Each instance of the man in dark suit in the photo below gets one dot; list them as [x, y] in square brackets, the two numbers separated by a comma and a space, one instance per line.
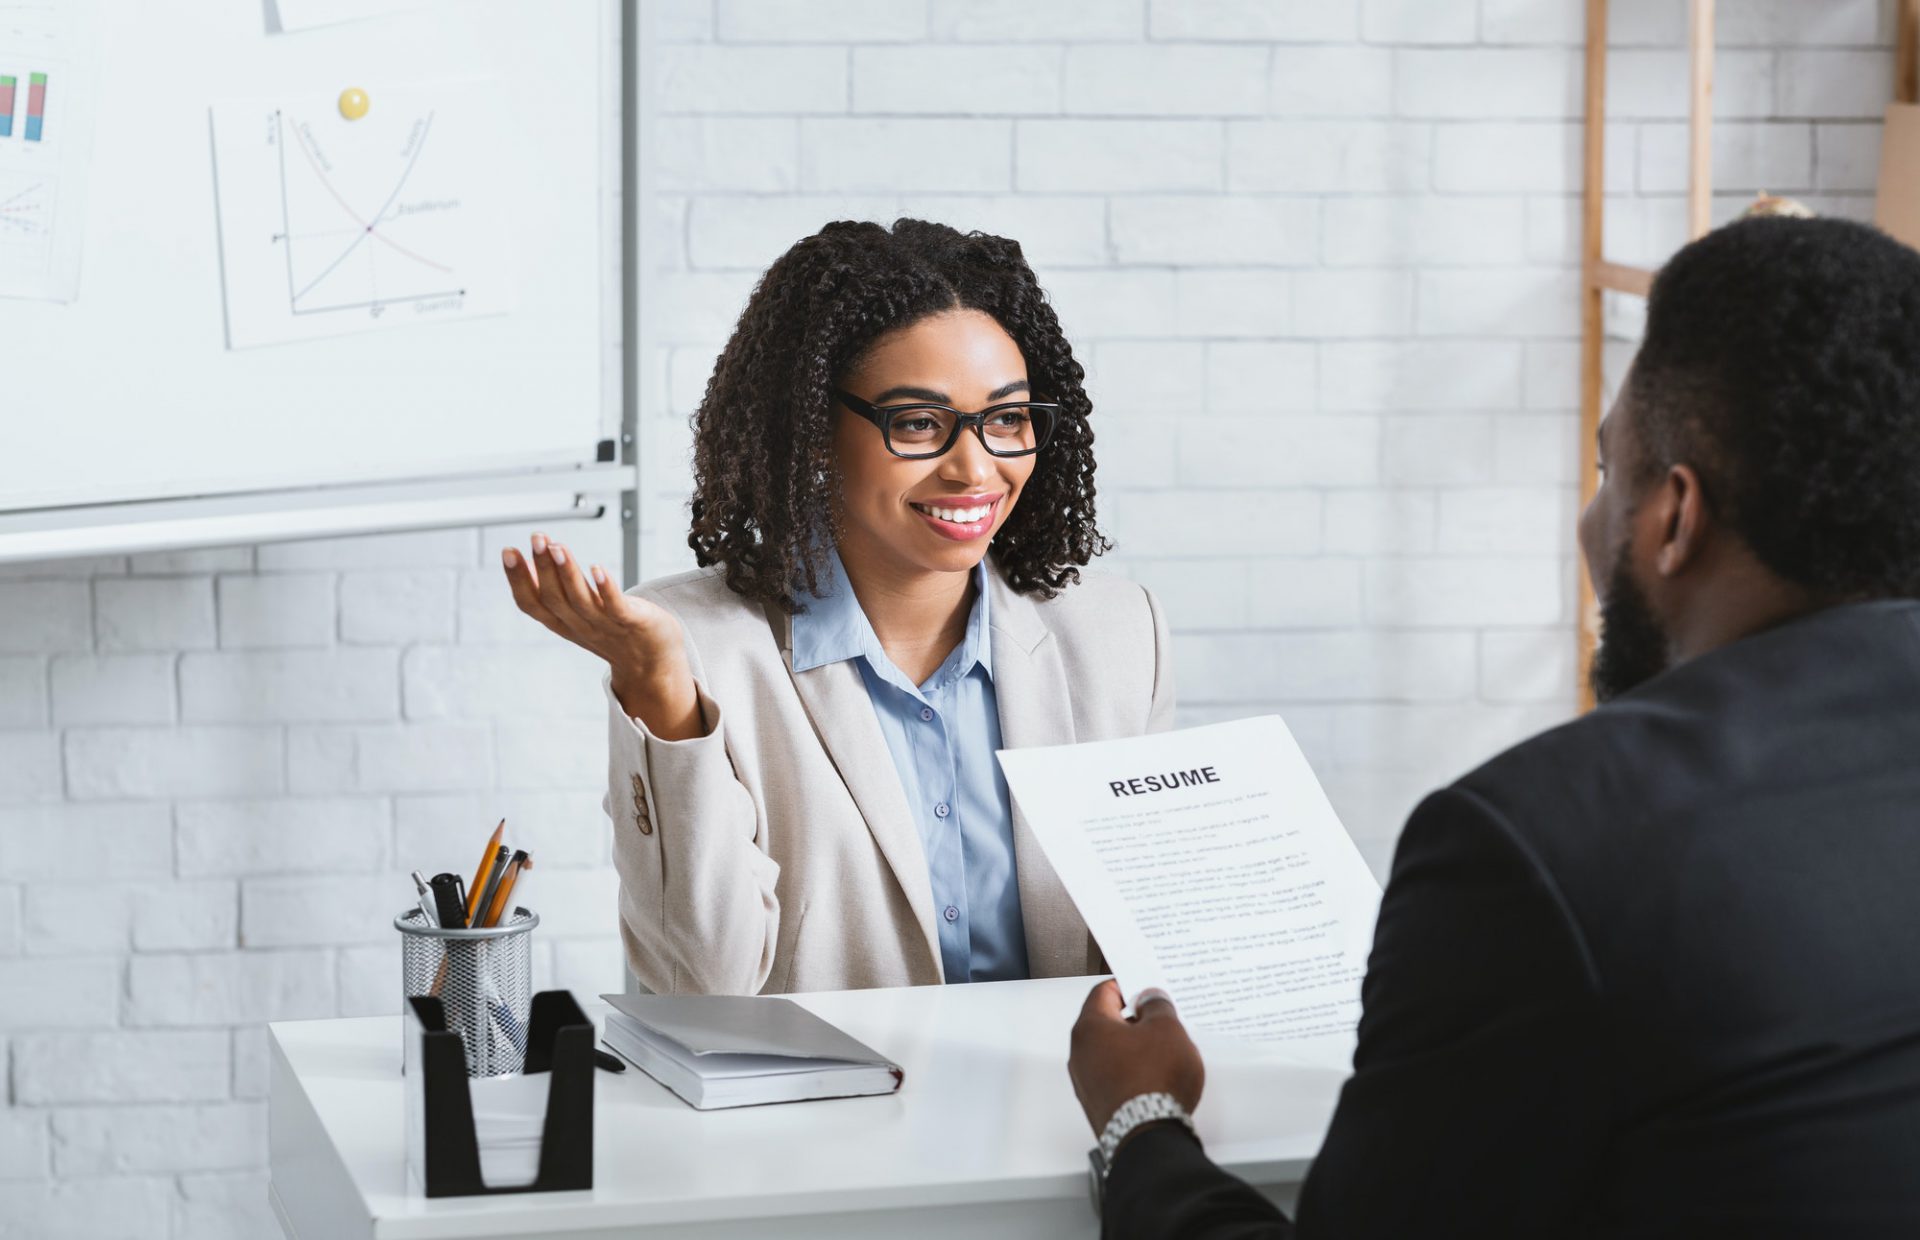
[1655, 972]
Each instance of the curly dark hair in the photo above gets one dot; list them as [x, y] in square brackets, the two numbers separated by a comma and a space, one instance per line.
[763, 434]
[1782, 361]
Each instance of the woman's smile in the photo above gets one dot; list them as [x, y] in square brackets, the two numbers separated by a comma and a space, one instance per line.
[960, 517]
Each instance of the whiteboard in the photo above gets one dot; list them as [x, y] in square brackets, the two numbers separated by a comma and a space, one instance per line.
[130, 391]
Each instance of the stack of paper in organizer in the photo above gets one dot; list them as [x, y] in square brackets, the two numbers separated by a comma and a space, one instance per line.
[742, 1050]
[509, 1113]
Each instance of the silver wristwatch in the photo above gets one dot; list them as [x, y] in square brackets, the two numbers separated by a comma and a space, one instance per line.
[1135, 1111]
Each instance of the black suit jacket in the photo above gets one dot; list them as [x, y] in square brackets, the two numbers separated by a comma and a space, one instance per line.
[1655, 973]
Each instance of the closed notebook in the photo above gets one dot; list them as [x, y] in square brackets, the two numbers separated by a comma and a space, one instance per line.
[742, 1050]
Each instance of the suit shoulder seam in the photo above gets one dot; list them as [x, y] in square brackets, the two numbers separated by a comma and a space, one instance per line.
[1537, 865]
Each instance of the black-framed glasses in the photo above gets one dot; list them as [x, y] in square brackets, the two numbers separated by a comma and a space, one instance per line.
[921, 430]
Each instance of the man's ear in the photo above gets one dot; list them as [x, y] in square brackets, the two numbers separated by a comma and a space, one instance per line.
[1680, 509]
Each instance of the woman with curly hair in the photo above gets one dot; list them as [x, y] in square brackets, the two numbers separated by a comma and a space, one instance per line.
[893, 498]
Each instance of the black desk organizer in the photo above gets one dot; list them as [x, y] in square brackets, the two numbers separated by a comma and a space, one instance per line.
[560, 1041]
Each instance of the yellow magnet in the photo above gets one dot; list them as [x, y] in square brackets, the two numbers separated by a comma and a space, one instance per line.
[353, 103]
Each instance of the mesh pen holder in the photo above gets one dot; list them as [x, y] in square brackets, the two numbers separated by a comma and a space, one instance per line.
[483, 979]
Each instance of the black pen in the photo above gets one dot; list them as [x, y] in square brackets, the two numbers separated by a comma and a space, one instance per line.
[446, 898]
[485, 901]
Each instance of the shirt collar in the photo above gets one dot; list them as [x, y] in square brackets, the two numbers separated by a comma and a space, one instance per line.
[833, 627]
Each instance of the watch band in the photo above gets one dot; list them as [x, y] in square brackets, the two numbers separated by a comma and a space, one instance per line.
[1135, 1111]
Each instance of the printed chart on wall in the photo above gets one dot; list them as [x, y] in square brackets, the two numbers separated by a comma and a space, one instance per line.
[331, 225]
[46, 131]
[295, 15]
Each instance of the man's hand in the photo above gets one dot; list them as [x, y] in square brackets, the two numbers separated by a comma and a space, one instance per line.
[1114, 1059]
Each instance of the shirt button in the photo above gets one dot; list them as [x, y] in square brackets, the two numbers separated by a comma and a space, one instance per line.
[952, 913]
[940, 810]
[926, 712]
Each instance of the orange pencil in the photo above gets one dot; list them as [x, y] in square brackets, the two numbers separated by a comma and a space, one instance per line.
[480, 875]
[499, 906]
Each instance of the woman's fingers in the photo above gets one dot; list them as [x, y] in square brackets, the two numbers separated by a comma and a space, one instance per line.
[551, 565]
[523, 581]
[571, 581]
[585, 605]
[606, 595]
[541, 593]
[620, 607]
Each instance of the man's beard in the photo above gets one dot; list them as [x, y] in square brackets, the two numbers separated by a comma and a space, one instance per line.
[1633, 649]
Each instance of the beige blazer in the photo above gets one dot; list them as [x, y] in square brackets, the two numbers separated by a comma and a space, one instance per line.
[778, 852]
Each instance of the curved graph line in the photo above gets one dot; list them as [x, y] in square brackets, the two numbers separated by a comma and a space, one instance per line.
[367, 228]
[355, 217]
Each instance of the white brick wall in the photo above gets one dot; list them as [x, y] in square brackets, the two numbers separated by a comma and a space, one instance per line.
[215, 769]
[1318, 258]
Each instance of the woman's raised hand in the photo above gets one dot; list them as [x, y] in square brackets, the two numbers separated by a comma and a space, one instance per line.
[640, 640]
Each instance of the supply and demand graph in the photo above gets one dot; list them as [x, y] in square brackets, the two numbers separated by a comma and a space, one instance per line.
[330, 225]
[308, 289]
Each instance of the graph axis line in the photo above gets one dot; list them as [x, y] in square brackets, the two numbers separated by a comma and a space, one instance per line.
[286, 223]
[377, 219]
[382, 301]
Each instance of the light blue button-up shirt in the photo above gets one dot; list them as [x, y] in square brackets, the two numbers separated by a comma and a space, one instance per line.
[942, 734]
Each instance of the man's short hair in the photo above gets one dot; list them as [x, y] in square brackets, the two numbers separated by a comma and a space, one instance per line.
[1782, 362]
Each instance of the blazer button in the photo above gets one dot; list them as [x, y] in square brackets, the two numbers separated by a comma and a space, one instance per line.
[640, 807]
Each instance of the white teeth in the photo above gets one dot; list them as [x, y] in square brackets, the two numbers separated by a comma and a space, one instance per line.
[959, 516]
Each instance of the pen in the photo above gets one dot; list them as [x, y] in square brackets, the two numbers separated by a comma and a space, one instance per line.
[508, 1025]
[427, 909]
[498, 905]
[453, 916]
[480, 875]
[485, 902]
[446, 895]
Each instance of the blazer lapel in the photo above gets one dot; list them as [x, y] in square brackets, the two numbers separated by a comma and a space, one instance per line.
[836, 701]
[1030, 684]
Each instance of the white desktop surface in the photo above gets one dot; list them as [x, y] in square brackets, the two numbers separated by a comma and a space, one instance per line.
[984, 1137]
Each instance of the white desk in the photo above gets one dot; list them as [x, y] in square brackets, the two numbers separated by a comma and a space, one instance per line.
[984, 1138]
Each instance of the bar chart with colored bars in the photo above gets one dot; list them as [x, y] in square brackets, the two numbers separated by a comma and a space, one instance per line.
[36, 105]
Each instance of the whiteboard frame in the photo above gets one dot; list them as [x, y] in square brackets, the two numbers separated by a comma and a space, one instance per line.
[638, 368]
[295, 506]
[323, 512]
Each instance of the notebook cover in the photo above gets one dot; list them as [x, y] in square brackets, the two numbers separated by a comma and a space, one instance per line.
[745, 1025]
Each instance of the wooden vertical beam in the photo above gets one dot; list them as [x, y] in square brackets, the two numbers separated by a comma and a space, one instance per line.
[1700, 121]
[1906, 64]
[1592, 311]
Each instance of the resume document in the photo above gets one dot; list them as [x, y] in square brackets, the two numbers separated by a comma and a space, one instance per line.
[1210, 866]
